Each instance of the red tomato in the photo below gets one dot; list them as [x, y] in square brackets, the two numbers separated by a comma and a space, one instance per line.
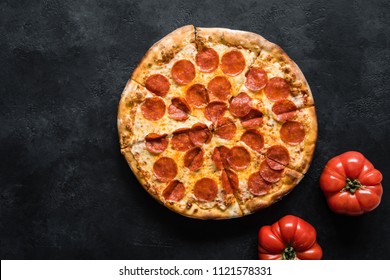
[351, 184]
[290, 238]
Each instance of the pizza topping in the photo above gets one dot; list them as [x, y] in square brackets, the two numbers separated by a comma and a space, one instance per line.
[220, 157]
[165, 169]
[153, 108]
[219, 87]
[207, 59]
[158, 84]
[232, 63]
[238, 158]
[256, 79]
[277, 89]
[156, 143]
[269, 174]
[240, 105]
[205, 189]
[253, 139]
[181, 140]
[225, 128]
[179, 109]
[252, 120]
[197, 95]
[229, 180]
[257, 185]
[193, 159]
[284, 110]
[215, 110]
[183, 72]
[277, 157]
[292, 132]
[174, 191]
[200, 134]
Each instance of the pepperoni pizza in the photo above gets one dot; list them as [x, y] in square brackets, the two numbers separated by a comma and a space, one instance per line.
[217, 123]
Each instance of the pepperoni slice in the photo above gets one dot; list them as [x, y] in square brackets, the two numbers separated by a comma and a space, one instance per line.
[277, 89]
[232, 63]
[215, 110]
[277, 157]
[193, 159]
[207, 59]
[219, 157]
[240, 105]
[179, 109]
[156, 143]
[284, 110]
[158, 84]
[257, 185]
[197, 95]
[253, 139]
[219, 87]
[269, 174]
[174, 191]
[165, 169]
[229, 180]
[225, 128]
[181, 140]
[153, 108]
[252, 120]
[205, 189]
[238, 158]
[292, 132]
[256, 79]
[183, 72]
[200, 134]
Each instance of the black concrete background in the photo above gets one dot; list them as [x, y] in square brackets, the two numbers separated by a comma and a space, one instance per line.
[66, 191]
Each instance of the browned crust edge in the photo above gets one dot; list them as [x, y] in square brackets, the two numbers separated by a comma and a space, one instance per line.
[196, 212]
[132, 96]
[229, 37]
[310, 140]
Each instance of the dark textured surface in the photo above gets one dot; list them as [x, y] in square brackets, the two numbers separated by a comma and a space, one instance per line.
[66, 191]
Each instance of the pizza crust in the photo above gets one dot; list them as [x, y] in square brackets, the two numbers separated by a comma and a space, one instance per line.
[192, 210]
[229, 37]
[132, 96]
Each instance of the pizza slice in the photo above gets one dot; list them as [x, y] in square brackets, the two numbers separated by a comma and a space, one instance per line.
[250, 175]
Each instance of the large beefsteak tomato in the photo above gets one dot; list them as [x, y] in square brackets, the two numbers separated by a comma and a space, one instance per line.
[290, 238]
[351, 184]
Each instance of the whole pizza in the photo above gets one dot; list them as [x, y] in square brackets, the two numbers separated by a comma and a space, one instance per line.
[217, 123]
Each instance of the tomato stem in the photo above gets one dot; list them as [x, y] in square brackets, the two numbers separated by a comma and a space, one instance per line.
[352, 185]
[288, 253]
